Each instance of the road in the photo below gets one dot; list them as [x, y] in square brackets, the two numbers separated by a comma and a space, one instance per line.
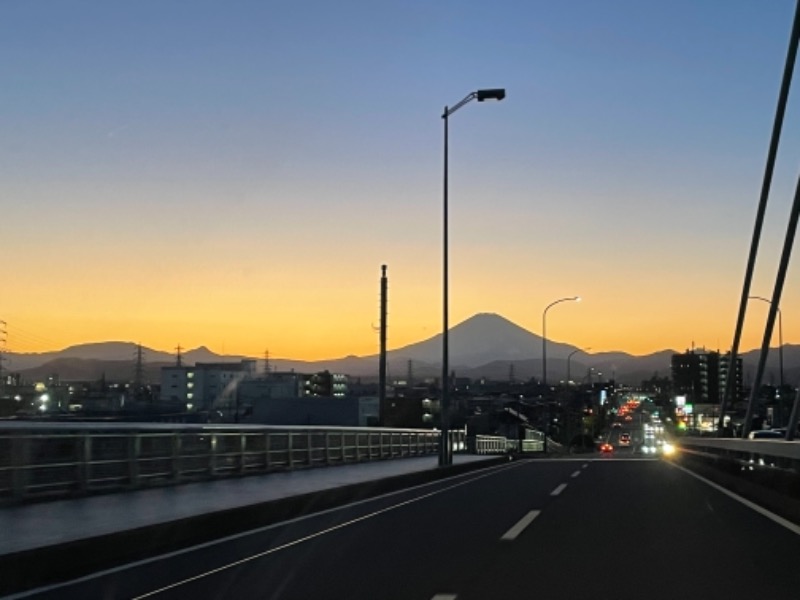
[566, 528]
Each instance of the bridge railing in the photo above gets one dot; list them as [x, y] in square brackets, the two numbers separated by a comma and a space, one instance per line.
[767, 471]
[488, 444]
[497, 444]
[771, 453]
[58, 459]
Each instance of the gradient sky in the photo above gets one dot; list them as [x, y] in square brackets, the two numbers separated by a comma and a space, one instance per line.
[234, 173]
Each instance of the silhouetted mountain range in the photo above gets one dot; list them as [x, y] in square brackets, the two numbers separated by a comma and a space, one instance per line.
[485, 345]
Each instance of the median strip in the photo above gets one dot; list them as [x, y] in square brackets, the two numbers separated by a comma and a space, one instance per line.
[514, 532]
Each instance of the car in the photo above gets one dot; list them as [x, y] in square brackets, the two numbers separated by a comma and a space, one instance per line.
[625, 439]
[606, 448]
[616, 426]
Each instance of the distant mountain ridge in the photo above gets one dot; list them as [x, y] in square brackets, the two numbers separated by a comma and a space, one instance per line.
[485, 345]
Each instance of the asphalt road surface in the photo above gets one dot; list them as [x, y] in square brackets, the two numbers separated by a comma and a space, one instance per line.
[620, 527]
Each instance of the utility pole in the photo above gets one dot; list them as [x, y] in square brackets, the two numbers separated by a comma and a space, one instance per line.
[179, 361]
[138, 374]
[266, 363]
[383, 326]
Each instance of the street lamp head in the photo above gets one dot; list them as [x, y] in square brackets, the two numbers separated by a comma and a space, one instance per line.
[577, 298]
[495, 94]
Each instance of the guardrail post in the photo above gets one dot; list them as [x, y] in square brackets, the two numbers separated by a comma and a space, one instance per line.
[176, 456]
[289, 451]
[327, 448]
[266, 452]
[242, 453]
[20, 459]
[380, 446]
[212, 455]
[84, 462]
[310, 444]
[134, 451]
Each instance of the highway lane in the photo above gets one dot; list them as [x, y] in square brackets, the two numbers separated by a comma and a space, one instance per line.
[546, 529]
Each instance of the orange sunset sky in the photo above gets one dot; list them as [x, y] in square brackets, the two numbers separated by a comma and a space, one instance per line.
[235, 179]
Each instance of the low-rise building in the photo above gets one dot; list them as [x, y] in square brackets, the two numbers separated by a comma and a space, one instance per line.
[205, 386]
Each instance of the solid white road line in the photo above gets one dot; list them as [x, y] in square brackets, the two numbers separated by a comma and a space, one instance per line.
[759, 509]
[575, 474]
[514, 532]
[558, 489]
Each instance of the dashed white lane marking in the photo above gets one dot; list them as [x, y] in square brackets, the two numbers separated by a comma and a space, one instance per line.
[559, 489]
[514, 532]
[575, 474]
[583, 466]
[444, 597]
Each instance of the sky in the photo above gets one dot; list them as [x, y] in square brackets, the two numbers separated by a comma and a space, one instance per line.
[233, 174]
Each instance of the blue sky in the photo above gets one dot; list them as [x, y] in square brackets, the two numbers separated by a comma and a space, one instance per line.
[264, 158]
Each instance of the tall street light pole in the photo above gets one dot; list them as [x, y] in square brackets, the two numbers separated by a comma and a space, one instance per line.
[569, 358]
[544, 332]
[780, 334]
[445, 452]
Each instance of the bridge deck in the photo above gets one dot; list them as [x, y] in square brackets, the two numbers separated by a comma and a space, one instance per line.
[44, 524]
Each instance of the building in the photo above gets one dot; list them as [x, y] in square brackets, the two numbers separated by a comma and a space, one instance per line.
[314, 410]
[325, 384]
[205, 386]
[700, 376]
[277, 384]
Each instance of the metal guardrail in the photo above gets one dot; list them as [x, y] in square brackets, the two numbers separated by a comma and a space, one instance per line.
[527, 445]
[58, 459]
[497, 444]
[771, 453]
[488, 444]
[765, 471]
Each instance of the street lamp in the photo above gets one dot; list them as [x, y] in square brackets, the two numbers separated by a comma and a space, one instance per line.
[780, 336]
[445, 453]
[544, 332]
[570, 358]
